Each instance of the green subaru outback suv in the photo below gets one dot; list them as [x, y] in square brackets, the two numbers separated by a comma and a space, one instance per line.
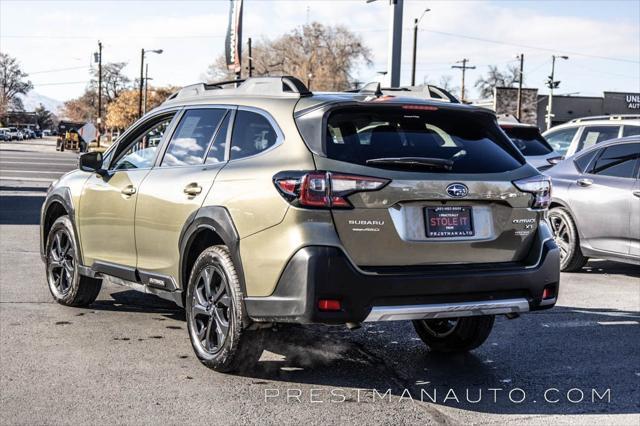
[264, 203]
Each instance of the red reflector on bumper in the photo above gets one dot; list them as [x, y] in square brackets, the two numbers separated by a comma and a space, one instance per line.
[329, 305]
[548, 293]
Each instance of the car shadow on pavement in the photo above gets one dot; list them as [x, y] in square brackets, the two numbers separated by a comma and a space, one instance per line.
[20, 209]
[567, 360]
[597, 266]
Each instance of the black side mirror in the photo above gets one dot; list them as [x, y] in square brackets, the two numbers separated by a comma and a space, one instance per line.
[92, 162]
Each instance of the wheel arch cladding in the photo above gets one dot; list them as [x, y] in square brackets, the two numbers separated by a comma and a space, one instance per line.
[57, 204]
[206, 227]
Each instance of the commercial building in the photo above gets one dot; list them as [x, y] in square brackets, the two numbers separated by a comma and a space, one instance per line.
[565, 107]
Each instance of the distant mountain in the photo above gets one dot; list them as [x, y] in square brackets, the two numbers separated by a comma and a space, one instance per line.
[33, 99]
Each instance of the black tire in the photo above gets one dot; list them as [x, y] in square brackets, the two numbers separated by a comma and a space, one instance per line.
[566, 236]
[66, 284]
[216, 318]
[454, 335]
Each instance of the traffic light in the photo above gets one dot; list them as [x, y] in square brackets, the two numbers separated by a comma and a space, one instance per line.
[552, 84]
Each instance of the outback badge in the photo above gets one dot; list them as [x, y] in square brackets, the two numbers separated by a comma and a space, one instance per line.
[457, 190]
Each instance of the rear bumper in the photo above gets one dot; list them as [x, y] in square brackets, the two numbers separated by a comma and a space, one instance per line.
[319, 272]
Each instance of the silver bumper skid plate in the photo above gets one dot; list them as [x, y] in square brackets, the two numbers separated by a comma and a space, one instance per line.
[448, 310]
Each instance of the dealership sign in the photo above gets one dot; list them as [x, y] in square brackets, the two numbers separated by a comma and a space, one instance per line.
[633, 101]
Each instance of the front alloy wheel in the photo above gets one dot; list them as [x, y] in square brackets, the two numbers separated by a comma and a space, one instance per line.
[61, 263]
[66, 285]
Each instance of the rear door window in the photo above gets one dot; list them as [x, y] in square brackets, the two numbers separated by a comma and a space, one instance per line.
[192, 138]
[631, 130]
[592, 135]
[252, 134]
[528, 140]
[560, 140]
[618, 161]
[439, 141]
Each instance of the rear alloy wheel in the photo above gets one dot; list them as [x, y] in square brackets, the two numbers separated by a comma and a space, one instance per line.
[567, 240]
[216, 319]
[66, 285]
[454, 335]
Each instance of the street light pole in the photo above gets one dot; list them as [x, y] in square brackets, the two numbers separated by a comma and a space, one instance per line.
[142, 53]
[415, 46]
[552, 84]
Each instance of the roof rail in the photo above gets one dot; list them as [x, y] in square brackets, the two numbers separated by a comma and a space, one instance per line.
[617, 117]
[283, 86]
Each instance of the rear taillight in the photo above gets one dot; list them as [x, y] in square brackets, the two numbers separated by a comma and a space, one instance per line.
[323, 189]
[540, 187]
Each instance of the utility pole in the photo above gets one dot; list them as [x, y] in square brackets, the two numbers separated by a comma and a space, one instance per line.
[519, 112]
[415, 46]
[146, 88]
[552, 84]
[141, 83]
[250, 57]
[99, 93]
[464, 67]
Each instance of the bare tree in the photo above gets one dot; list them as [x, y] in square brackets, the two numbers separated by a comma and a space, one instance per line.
[324, 57]
[497, 78]
[12, 84]
[114, 82]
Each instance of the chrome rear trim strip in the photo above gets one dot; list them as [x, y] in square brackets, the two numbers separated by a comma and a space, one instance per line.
[448, 310]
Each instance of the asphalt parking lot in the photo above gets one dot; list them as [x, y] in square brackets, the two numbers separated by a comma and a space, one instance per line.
[127, 358]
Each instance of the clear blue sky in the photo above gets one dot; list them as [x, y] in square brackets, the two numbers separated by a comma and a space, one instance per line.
[602, 38]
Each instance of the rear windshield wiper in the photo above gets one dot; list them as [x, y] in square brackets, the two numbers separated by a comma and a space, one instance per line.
[434, 163]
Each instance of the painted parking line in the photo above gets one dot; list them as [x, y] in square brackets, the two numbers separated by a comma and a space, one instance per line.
[618, 322]
[60, 173]
[46, 162]
[26, 179]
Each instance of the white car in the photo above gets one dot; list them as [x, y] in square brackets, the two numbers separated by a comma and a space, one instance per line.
[582, 133]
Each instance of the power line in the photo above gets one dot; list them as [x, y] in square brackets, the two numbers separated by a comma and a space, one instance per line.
[532, 47]
[62, 83]
[59, 69]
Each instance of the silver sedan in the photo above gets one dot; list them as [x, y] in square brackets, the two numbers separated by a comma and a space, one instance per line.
[595, 211]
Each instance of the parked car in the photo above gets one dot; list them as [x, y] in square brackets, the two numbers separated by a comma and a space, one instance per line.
[4, 134]
[47, 132]
[14, 134]
[530, 142]
[37, 133]
[595, 211]
[576, 135]
[267, 203]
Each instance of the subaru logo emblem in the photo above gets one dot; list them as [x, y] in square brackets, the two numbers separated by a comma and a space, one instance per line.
[457, 190]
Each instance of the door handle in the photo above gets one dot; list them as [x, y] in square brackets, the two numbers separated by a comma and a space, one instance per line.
[192, 189]
[585, 182]
[128, 190]
[636, 193]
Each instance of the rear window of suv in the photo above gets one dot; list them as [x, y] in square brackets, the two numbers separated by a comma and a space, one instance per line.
[528, 140]
[467, 142]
